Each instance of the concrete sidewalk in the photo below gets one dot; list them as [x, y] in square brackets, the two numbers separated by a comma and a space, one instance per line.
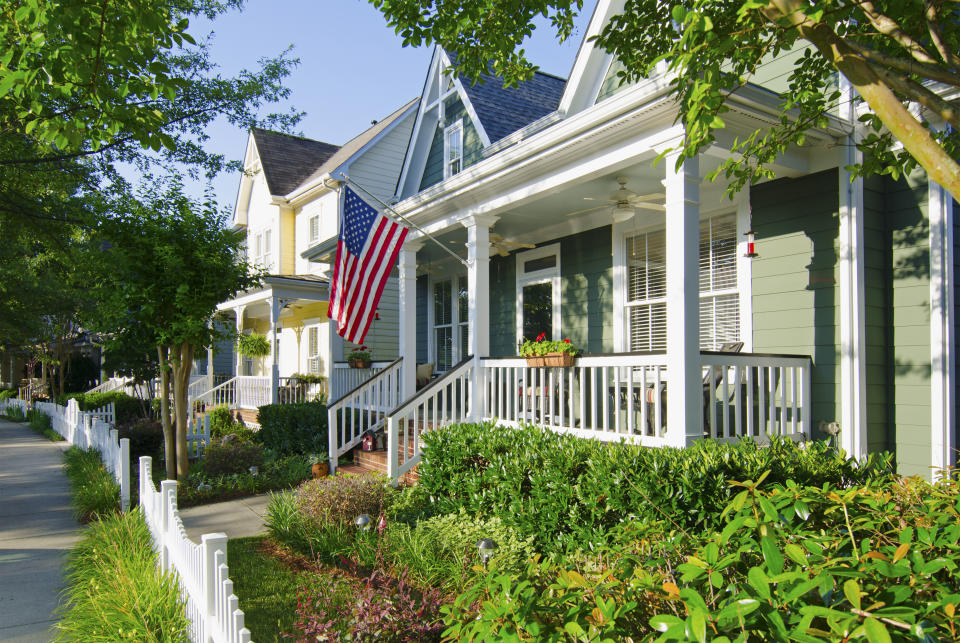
[37, 530]
[236, 518]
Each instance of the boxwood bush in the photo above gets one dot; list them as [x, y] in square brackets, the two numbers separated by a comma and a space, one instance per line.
[567, 491]
[128, 408]
[293, 428]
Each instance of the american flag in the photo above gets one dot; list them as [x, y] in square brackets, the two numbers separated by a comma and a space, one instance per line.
[366, 251]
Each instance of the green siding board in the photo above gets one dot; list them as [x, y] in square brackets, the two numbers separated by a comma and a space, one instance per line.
[472, 145]
[423, 300]
[794, 279]
[503, 305]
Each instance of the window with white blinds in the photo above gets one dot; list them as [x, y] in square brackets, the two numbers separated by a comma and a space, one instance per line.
[314, 225]
[647, 291]
[646, 304]
[313, 341]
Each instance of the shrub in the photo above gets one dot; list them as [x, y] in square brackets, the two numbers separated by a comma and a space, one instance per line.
[128, 408]
[231, 457]
[145, 435]
[222, 424]
[7, 393]
[380, 609]
[789, 563]
[275, 474]
[338, 500]
[293, 428]
[95, 493]
[568, 491]
[114, 589]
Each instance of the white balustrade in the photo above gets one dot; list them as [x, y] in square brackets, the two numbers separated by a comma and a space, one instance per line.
[444, 401]
[222, 395]
[212, 608]
[362, 409]
[293, 390]
[345, 378]
[253, 391]
[606, 397]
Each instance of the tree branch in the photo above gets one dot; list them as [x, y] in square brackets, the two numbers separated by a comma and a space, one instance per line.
[930, 15]
[889, 27]
[947, 110]
[925, 70]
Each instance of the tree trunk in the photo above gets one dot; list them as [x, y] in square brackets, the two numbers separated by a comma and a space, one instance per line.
[169, 437]
[182, 365]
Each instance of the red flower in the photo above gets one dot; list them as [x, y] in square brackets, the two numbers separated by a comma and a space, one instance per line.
[541, 337]
[567, 341]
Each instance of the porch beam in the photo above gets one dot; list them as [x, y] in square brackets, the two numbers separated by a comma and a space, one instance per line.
[478, 301]
[684, 388]
[407, 269]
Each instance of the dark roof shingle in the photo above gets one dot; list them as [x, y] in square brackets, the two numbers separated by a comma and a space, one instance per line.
[286, 160]
[504, 110]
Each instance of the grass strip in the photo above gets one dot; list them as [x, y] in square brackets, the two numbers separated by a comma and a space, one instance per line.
[40, 423]
[95, 494]
[115, 591]
[266, 587]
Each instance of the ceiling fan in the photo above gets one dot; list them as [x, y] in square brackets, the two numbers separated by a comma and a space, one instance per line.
[624, 202]
[504, 246]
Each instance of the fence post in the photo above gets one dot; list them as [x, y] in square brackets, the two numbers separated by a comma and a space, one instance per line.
[168, 496]
[114, 441]
[393, 461]
[146, 475]
[211, 544]
[332, 432]
[124, 474]
[206, 431]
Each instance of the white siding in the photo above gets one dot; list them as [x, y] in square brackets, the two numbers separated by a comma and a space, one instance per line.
[263, 215]
[326, 206]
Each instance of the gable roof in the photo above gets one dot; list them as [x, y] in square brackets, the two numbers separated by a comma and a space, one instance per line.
[286, 160]
[355, 144]
[504, 110]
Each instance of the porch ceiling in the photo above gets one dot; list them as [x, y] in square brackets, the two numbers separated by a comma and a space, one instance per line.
[546, 216]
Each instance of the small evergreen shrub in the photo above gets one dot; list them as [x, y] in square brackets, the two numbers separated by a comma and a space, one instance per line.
[231, 457]
[293, 428]
[7, 393]
[145, 435]
[115, 591]
[568, 491]
[222, 424]
[338, 500]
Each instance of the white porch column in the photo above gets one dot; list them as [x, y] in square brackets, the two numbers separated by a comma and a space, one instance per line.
[942, 341]
[853, 351]
[478, 301]
[238, 358]
[407, 269]
[684, 381]
[274, 350]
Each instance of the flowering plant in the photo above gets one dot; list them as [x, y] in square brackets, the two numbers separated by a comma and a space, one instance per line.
[542, 346]
[362, 354]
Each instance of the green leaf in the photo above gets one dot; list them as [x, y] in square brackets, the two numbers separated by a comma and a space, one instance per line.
[852, 591]
[759, 581]
[698, 626]
[876, 631]
[772, 555]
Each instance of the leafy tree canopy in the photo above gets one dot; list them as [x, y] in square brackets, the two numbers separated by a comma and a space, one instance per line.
[896, 53]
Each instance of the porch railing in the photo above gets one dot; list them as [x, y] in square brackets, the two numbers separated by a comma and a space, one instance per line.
[223, 395]
[606, 397]
[294, 390]
[444, 401]
[345, 378]
[362, 409]
[754, 395]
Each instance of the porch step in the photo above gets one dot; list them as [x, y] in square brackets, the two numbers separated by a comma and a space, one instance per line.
[249, 417]
[376, 461]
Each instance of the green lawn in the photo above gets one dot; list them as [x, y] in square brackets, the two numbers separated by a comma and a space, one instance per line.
[267, 588]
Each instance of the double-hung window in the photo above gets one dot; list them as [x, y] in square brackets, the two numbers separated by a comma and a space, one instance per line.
[262, 250]
[646, 286]
[452, 149]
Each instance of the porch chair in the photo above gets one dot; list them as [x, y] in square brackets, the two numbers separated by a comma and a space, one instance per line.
[710, 382]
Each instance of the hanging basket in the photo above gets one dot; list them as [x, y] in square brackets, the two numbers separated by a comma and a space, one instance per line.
[551, 360]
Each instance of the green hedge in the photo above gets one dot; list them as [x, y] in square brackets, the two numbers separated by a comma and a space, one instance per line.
[128, 408]
[7, 393]
[570, 491]
[293, 428]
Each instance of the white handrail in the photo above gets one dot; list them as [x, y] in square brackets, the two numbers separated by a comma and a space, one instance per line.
[223, 394]
[444, 401]
[362, 409]
[345, 378]
[212, 608]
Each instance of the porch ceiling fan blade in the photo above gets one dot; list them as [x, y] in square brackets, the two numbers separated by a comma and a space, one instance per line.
[584, 211]
[657, 207]
[648, 197]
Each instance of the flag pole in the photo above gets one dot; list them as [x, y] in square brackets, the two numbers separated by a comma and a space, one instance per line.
[346, 179]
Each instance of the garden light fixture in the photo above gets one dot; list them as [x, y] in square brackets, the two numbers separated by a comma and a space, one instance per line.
[486, 547]
[362, 522]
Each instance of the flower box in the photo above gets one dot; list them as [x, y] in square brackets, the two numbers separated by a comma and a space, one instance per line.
[359, 363]
[551, 360]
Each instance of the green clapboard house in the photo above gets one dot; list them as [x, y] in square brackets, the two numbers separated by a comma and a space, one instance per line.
[810, 306]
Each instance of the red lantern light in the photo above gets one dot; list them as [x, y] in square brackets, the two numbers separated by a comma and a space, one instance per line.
[751, 244]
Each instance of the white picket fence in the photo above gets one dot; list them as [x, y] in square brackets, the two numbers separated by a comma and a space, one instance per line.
[94, 430]
[13, 402]
[212, 607]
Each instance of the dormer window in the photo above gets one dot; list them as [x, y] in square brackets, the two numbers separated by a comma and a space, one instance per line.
[453, 149]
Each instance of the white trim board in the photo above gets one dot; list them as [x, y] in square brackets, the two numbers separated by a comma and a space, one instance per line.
[942, 340]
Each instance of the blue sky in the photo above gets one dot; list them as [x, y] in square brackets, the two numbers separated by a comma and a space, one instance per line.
[352, 70]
